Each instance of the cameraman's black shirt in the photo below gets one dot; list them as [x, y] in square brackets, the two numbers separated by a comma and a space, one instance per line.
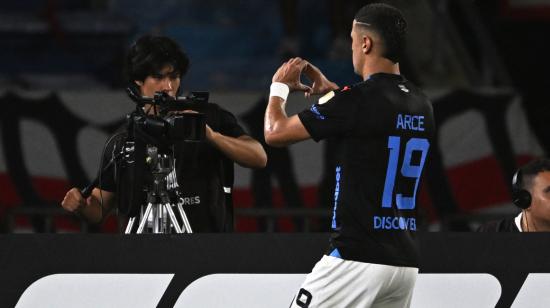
[382, 130]
[200, 173]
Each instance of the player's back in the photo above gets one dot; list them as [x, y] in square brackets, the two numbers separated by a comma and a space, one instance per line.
[380, 162]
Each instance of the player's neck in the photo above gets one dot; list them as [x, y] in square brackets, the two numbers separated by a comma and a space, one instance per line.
[379, 65]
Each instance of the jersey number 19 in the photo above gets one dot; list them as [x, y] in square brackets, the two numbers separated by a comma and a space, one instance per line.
[408, 170]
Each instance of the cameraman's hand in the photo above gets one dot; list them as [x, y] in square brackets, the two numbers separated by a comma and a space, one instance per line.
[73, 201]
[289, 73]
[209, 133]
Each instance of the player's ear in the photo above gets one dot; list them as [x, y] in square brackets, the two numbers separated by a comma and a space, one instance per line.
[367, 44]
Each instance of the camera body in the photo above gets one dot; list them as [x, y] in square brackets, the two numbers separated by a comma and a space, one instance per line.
[149, 161]
[177, 119]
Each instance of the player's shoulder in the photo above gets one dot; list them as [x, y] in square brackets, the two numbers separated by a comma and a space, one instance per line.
[380, 85]
[383, 78]
[333, 95]
[399, 84]
[385, 81]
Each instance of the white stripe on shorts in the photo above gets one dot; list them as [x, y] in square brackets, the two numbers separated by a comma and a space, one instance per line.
[335, 282]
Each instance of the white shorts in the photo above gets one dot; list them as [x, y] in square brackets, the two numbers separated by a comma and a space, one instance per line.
[335, 283]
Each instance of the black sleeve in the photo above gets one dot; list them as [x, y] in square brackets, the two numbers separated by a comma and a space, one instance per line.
[229, 125]
[333, 115]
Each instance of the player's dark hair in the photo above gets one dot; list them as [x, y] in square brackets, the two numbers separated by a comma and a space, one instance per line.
[389, 23]
[150, 54]
[530, 171]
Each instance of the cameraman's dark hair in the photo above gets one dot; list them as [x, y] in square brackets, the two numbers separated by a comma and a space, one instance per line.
[531, 169]
[150, 54]
[389, 23]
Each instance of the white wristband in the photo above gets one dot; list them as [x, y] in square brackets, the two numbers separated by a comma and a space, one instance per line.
[279, 89]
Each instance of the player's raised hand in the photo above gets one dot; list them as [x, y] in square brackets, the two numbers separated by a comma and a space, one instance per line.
[321, 85]
[289, 73]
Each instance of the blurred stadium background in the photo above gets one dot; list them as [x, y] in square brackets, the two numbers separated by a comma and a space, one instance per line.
[483, 63]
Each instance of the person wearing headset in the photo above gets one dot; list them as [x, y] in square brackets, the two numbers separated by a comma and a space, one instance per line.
[531, 193]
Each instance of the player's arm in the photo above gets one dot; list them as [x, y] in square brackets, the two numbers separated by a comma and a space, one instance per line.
[243, 150]
[279, 129]
[92, 209]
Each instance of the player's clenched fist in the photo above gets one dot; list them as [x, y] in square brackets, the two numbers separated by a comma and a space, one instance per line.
[73, 201]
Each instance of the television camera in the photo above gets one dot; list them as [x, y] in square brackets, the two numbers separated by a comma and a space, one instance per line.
[145, 162]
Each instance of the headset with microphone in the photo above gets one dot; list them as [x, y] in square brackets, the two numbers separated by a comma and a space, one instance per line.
[521, 197]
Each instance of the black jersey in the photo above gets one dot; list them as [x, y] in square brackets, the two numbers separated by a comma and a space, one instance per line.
[383, 129]
[200, 175]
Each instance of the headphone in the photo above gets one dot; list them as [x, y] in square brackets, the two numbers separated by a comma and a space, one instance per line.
[520, 196]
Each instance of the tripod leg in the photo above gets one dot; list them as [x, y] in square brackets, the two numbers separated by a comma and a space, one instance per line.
[156, 218]
[130, 225]
[144, 218]
[186, 224]
[165, 220]
[173, 219]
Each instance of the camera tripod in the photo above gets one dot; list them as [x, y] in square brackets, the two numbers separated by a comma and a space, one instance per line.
[158, 216]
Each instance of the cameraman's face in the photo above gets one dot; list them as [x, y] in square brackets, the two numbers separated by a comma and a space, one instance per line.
[167, 80]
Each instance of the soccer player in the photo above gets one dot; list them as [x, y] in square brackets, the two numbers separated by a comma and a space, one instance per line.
[383, 127]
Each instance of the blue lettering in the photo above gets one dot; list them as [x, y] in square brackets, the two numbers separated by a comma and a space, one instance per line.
[387, 224]
[387, 195]
[336, 195]
[413, 120]
[377, 222]
[400, 122]
[318, 114]
[412, 171]
[410, 122]
[394, 223]
[402, 223]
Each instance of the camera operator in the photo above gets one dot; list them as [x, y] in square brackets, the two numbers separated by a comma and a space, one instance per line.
[156, 64]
